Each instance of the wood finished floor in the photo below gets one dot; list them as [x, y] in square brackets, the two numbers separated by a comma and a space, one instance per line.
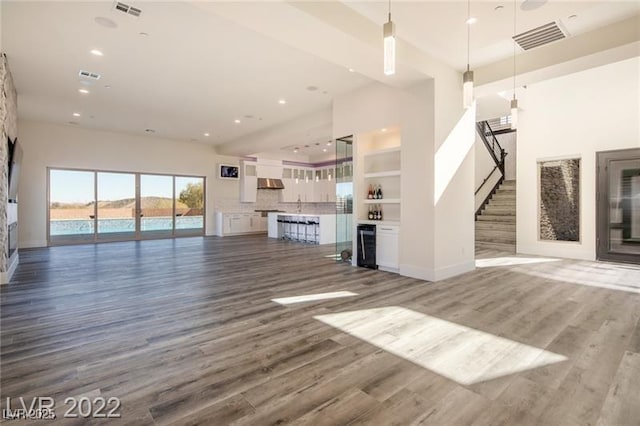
[184, 332]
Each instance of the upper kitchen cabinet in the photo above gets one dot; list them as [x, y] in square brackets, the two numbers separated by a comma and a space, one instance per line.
[249, 182]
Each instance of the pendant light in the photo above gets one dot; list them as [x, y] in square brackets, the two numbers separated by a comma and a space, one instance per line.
[467, 77]
[389, 35]
[514, 101]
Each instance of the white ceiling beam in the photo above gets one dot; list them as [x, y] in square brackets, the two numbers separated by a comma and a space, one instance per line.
[314, 127]
[612, 43]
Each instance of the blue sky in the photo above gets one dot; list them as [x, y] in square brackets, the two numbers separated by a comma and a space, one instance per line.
[70, 186]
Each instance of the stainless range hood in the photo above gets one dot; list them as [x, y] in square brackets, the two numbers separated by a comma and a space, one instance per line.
[266, 183]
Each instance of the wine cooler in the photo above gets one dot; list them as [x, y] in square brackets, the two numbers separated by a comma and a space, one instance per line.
[367, 246]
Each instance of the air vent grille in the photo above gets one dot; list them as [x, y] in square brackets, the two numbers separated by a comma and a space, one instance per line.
[129, 10]
[89, 75]
[540, 36]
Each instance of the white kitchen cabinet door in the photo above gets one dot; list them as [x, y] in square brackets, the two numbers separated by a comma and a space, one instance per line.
[387, 248]
[226, 224]
[249, 189]
[235, 223]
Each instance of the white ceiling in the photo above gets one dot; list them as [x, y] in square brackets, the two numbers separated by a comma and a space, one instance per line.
[205, 64]
[194, 73]
[439, 28]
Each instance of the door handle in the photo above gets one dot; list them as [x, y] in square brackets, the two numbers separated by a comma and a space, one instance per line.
[364, 256]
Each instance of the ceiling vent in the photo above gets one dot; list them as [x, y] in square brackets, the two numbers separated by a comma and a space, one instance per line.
[89, 75]
[129, 10]
[540, 36]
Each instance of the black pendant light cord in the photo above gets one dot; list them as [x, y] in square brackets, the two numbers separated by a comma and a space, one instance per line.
[389, 10]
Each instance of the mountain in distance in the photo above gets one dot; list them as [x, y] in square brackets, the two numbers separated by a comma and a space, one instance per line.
[146, 203]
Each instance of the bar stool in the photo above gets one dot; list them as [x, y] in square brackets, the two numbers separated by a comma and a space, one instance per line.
[280, 227]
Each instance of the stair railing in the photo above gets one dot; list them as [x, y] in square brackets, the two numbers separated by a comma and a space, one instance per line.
[497, 153]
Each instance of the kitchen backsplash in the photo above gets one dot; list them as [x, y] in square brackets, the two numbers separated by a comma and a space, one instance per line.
[267, 199]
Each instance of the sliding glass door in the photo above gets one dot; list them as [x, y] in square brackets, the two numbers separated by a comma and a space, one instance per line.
[619, 205]
[156, 206]
[72, 209]
[189, 202]
[93, 206]
[116, 206]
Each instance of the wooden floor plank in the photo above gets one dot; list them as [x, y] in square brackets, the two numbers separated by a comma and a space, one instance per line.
[186, 332]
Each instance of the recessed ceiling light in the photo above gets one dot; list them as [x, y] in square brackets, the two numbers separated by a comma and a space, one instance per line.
[107, 86]
[149, 130]
[105, 22]
[295, 151]
[383, 130]
[498, 8]
[312, 88]
[324, 149]
[83, 91]
[532, 4]
[352, 70]
[237, 121]
[282, 101]
[329, 143]
[573, 16]
[73, 123]
[248, 116]
[76, 114]
[143, 34]
[207, 134]
[471, 20]
[97, 52]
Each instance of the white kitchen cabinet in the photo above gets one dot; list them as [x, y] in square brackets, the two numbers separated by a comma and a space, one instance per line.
[248, 182]
[239, 223]
[388, 248]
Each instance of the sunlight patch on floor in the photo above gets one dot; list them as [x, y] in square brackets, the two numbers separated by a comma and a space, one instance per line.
[631, 284]
[313, 297]
[457, 352]
[511, 261]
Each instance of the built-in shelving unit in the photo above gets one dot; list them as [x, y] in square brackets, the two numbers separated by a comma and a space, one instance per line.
[381, 167]
[378, 163]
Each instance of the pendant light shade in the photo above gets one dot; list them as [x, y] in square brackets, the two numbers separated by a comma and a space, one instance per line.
[514, 113]
[467, 88]
[389, 38]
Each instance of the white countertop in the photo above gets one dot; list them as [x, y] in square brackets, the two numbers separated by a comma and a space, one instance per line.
[301, 214]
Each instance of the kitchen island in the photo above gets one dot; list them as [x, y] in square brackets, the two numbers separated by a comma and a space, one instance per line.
[304, 227]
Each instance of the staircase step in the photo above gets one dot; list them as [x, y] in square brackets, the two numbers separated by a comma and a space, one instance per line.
[498, 226]
[502, 202]
[499, 240]
[509, 248]
[508, 184]
[494, 234]
[494, 218]
[499, 211]
[504, 196]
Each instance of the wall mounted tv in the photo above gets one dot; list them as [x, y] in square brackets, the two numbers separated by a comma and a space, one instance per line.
[227, 171]
[13, 172]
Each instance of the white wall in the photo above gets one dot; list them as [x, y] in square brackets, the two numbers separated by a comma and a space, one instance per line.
[574, 116]
[436, 232]
[50, 145]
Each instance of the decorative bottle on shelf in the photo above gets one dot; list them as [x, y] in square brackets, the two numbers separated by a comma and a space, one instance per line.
[370, 194]
[371, 212]
[379, 192]
[380, 211]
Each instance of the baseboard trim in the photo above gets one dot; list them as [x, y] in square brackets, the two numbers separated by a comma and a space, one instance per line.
[5, 277]
[562, 250]
[430, 274]
[411, 271]
[32, 244]
[455, 270]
